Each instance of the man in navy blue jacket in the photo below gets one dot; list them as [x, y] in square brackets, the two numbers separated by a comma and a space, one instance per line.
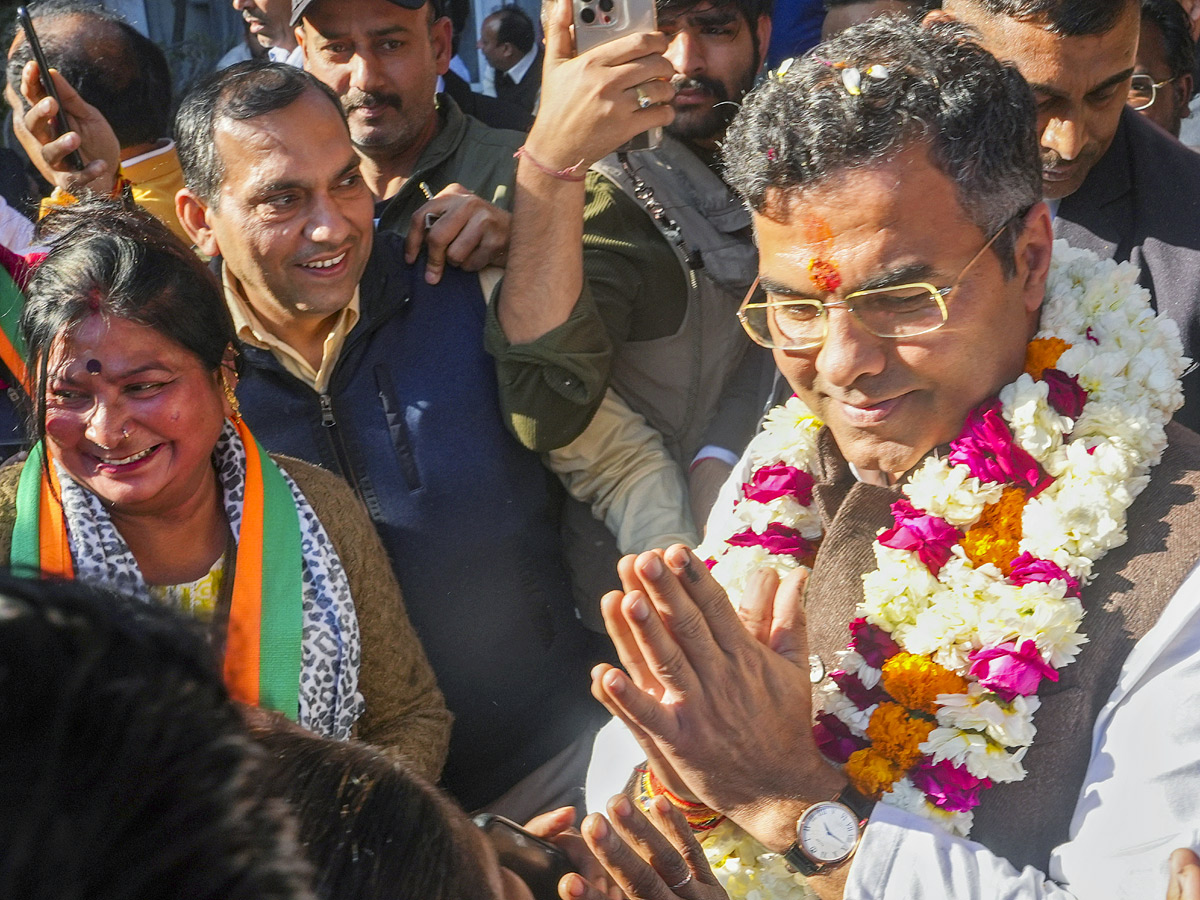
[352, 361]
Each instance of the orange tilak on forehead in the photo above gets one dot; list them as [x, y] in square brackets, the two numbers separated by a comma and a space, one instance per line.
[824, 272]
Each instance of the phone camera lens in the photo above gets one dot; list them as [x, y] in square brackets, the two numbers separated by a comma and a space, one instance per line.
[588, 15]
[606, 5]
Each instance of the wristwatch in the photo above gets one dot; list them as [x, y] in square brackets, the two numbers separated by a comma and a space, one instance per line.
[828, 832]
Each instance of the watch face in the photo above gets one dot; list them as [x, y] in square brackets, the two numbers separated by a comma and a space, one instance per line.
[827, 832]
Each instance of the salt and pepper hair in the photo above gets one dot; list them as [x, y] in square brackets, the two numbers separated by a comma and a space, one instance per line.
[243, 91]
[805, 125]
[1070, 18]
[108, 259]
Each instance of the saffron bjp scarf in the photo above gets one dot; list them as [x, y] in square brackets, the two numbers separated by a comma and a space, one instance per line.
[12, 300]
[292, 643]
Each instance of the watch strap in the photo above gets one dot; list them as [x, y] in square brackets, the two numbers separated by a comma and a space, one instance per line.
[799, 861]
[859, 804]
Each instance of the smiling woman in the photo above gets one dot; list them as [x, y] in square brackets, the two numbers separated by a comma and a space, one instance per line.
[144, 479]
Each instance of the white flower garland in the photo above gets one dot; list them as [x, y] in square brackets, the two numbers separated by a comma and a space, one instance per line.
[1092, 467]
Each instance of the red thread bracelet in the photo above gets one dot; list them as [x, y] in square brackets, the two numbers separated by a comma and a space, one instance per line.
[567, 174]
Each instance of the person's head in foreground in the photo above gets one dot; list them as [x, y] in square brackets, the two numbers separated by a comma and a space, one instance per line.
[893, 180]
[273, 187]
[124, 771]
[843, 14]
[1078, 57]
[129, 342]
[373, 830]
[1161, 88]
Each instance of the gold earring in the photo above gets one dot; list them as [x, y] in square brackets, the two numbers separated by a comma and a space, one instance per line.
[231, 397]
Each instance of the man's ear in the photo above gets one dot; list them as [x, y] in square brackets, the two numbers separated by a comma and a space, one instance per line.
[1032, 254]
[937, 15]
[1183, 92]
[764, 39]
[441, 34]
[193, 214]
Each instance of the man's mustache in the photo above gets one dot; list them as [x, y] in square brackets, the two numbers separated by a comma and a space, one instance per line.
[356, 99]
[700, 83]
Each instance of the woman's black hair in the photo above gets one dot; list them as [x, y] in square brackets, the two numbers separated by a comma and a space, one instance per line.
[109, 259]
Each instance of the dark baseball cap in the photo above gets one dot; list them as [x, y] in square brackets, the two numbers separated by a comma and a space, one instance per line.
[299, 6]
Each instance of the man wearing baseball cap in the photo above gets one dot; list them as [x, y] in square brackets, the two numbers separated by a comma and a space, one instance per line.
[441, 177]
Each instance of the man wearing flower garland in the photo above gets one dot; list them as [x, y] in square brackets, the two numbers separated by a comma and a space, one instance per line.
[978, 451]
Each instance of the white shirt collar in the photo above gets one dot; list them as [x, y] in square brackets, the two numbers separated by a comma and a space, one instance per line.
[523, 65]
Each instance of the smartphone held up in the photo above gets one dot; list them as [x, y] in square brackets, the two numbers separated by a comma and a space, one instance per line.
[600, 21]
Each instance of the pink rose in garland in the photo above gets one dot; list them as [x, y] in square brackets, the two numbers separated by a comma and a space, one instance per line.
[1066, 396]
[872, 643]
[777, 539]
[1009, 670]
[948, 786]
[779, 480]
[834, 738]
[1027, 568]
[929, 536]
[986, 447]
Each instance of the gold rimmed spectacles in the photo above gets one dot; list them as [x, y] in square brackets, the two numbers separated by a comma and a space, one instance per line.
[899, 311]
[1143, 89]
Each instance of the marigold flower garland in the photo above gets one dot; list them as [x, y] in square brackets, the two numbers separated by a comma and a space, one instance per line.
[976, 597]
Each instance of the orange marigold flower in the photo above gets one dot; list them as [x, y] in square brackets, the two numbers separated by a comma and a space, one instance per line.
[871, 773]
[996, 537]
[1043, 354]
[915, 681]
[896, 734]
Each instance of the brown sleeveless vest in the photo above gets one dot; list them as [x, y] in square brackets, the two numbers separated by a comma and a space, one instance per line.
[1025, 820]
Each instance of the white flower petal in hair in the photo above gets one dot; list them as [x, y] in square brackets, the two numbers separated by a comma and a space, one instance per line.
[852, 80]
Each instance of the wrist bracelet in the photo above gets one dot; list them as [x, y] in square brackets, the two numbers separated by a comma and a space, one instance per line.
[568, 174]
[699, 817]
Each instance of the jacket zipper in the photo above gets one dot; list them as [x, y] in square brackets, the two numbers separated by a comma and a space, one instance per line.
[330, 422]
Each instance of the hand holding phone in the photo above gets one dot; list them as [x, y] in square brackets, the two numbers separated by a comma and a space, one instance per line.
[594, 101]
[74, 160]
[600, 21]
[537, 862]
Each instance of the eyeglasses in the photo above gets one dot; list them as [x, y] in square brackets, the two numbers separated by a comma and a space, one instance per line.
[900, 311]
[1143, 89]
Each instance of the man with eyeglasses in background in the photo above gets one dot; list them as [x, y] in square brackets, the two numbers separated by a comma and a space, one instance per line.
[1162, 83]
[1116, 184]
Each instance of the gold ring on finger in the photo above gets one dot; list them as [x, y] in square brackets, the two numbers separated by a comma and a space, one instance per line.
[643, 100]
